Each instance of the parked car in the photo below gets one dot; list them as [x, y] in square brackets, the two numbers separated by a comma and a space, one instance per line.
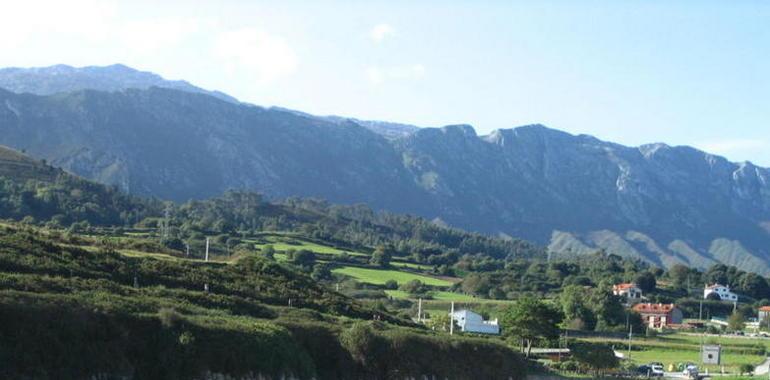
[690, 371]
[656, 370]
[650, 370]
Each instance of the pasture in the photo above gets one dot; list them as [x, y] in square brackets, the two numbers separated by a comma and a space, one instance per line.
[381, 276]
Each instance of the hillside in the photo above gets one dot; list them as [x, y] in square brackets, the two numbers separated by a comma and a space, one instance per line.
[21, 167]
[576, 194]
[65, 200]
[72, 313]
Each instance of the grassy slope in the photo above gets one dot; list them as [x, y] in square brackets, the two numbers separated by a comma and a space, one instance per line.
[54, 295]
[283, 242]
[16, 165]
[381, 276]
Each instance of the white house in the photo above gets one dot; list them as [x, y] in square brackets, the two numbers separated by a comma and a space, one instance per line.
[475, 323]
[723, 292]
[630, 291]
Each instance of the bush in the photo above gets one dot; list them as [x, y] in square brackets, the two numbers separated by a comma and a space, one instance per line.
[168, 317]
[594, 356]
[746, 369]
[362, 343]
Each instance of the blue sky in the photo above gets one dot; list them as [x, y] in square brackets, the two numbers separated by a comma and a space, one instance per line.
[634, 72]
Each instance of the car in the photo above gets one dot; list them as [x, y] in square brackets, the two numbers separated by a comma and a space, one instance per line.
[644, 370]
[656, 370]
[690, 371]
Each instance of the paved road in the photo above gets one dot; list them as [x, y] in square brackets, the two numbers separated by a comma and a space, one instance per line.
[763, 368]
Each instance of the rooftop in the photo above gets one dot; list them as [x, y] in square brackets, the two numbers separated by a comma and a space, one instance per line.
[624, 286]
[653, 307]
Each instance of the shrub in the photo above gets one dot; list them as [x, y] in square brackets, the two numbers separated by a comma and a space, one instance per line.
[362, 342]
[746, 368]
[168, 317]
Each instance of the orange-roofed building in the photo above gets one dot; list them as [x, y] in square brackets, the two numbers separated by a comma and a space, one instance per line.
[630, 291]
[764, 313]
[659, 315]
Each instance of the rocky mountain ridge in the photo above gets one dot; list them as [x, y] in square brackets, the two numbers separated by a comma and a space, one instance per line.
[576, 194]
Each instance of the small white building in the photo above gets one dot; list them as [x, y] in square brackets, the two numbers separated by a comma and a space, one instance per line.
[723, 292]
[630, 291]
[475, 323]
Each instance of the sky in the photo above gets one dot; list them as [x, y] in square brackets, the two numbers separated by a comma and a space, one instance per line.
[634, 72]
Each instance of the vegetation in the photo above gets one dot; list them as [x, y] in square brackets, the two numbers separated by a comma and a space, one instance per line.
[66, 312]
[382, 276]
[530, 319]
[110, 267]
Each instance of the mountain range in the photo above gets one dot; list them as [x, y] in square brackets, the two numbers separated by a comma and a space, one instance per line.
[575, 194]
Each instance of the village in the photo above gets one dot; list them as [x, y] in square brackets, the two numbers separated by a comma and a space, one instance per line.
[714, 336]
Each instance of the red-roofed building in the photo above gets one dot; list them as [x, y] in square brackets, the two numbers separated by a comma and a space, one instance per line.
[658, 315]
[764, 313]
[630, 291]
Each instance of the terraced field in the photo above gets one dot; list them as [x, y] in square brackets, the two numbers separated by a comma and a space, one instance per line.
[381, 276]
[285, 242]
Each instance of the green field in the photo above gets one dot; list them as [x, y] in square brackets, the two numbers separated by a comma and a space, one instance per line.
[283, 243]
[436, 295]
[679, 348]
[381, 276]
[401, 264]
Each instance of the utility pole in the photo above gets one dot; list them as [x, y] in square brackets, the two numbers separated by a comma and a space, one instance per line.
[700, 313]
[452, 319]
[419, 310]
[207, 249]
[630, 333]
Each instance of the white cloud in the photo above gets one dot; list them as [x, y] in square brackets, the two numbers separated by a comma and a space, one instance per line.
[731, 147]
[85, 20]
[150, 35]
[264, 56]
[378, 75]
[381, 32]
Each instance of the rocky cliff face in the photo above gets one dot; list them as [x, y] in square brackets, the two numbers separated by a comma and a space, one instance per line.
[663, 204]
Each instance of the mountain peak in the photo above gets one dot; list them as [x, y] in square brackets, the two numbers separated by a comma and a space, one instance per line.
[117, 77]
[464, 129]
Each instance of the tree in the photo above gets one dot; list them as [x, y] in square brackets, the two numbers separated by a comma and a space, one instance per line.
[391, 284]
[646, 282]
[414, 287]
[476, 283]
[321, 272]
[303, 257]
[530, 319]
[382, 256]
[597, 357]
[440, 322]
[269, 251]
[577, 315]
[363, 343]
[754, 286]
[608, 308]
[736, 322]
